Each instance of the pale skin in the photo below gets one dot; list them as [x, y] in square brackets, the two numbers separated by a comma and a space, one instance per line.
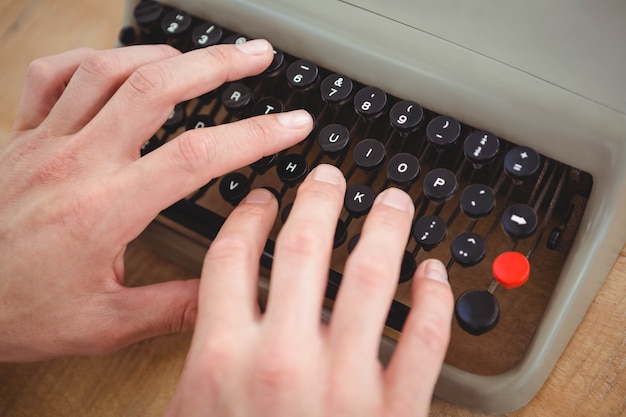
[76, 192]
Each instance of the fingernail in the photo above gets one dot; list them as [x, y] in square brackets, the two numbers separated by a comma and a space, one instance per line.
[397, 199]
[254, 47]
[435, 270]
[328, 174]
[294, 119]
[259, 196]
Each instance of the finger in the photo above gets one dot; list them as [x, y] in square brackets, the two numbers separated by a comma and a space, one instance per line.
[96, 79]
[422, 346]
[370, 278]
[302, 255]
[230, 274]
[168, 174]
[146, 99]
[143, 312]
[46, 79]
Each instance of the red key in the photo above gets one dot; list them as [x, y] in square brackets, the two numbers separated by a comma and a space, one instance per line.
[511, 269]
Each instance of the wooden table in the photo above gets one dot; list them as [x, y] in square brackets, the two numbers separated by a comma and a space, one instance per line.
[588, 380]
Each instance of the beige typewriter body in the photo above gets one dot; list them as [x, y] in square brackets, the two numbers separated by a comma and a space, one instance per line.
[550, 75]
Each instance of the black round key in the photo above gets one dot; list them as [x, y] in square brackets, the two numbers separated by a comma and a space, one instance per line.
[352, 243]
[333, 138]
[236, 39]
[127, 35]
[291, 168]
[175, 119]
[477, 201]
[150, 145]
[406, 116]
[285, 213]
[443, 131]
[468, 249]
[477, 311]
[267, 105]
[341, 234]
[175, 23]
[359, 199]
[236, 96]
[368, 154]
[302, 74]
[408, 267]
[234, 187]
[403, 169]
[519, 221]
[206, 34]
[522, 163]
[148, 13]
[199, 121]
[481, 147]
[370, 102]
[440, 185]
[429, 231]
[276, 65]
[264, 163]
[336, 89]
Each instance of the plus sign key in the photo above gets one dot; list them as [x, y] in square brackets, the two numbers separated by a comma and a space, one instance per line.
[522, 163]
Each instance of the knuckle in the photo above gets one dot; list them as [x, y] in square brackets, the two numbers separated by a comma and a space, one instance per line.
[148, 80]
[259, 129]
[276, 369]
[100, 64]
[229, 248]
[305, 239]
[194, 150]
[370, 273]
[39, 71]
[218, 59]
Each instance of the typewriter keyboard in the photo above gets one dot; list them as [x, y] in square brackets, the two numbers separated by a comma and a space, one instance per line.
[500, 215]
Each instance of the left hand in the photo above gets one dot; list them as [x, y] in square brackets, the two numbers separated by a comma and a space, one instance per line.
[75, 192]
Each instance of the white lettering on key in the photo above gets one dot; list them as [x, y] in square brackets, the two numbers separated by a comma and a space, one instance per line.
[439, 182]
[367, 155]
[268, 109]
[233, 185]
[334, 137]
[291, 167]
[199, 125]
[359, 196]
[236, 95]
[403, 167]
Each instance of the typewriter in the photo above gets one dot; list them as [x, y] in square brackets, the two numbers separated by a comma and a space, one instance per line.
[506, 123]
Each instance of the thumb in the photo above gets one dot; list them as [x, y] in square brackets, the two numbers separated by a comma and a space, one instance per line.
[157, 309]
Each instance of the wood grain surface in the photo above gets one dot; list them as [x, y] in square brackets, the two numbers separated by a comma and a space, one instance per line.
[588, 380]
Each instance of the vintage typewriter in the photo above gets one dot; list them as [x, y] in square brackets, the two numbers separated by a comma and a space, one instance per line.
[506, 122]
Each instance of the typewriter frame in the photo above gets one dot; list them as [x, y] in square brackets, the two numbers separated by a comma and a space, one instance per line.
[487, 89]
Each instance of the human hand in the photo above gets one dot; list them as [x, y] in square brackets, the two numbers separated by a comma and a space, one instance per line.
[285, 362]
[75, 192]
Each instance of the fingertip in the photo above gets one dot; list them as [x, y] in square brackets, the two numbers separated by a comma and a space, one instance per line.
[295, 119]
[255, 47]
[434, 270]
[328, 174]
[259, 196]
